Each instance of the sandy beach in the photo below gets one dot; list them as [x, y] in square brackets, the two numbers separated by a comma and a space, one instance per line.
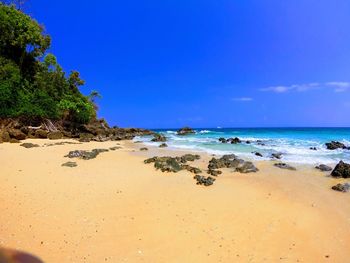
[115, 208]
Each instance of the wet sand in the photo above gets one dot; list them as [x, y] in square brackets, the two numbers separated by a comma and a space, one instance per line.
[114, 208]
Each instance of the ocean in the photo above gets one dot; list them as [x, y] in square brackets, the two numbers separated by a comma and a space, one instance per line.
[293, 143]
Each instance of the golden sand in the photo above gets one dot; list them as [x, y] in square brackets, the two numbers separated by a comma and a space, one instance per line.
[114, 208]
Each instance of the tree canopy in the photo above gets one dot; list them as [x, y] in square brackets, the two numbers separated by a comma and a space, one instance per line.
[32, 83]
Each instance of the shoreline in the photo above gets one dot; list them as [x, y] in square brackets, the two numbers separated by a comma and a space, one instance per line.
[115, 208]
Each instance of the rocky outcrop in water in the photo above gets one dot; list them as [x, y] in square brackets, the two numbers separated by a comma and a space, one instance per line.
[185, 131]
[257, 154]
[341, 170]
[285, 166]
[341, 187]
[158, 138]
[333, 145]
[324, 168]
[276, 155]
[230, 140]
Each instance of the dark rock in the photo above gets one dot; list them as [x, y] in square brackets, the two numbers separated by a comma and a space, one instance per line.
[17, 134]
[214, 172]
[158, 138]
[258, 154]
[341, 187]
[185, 131]
[333, 145]
[191, 169]
[167, 164]
[230, 140]
[55, 135]
[277, 155]
[324, 168]
[285, 166]
[248, 142]
[70, 164]
[341, 170]
[29, 145]
[5, 136]
[247, 167]
[85, 155]
[226, 161]
[202, 180]
[13, 140]
[163, 145]
[313, 148]
[189, 158]
[143, 149]
[115, 148]
[222, 140]
[41, 134]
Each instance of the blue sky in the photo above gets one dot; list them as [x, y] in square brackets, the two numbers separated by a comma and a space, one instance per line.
[163, 64]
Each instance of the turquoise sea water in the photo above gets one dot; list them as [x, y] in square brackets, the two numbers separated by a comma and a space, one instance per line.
[294, 143]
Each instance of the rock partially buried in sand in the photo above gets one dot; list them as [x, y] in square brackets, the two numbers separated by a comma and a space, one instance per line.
[56, 135]
[143, 149]
[285, 166]
[341, 170]
[231, 161]
[15, 256]
[202, 180]
[85, 155]
[214, 172]
[323, 168]
[247, 167]
[29, 145]
[185, 131]
[163, 145]
[115, 148]
[192, 169]
[70, 164]
[341, 187]
[174, 164]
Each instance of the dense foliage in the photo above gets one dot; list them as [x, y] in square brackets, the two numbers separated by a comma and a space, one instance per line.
[32, 83]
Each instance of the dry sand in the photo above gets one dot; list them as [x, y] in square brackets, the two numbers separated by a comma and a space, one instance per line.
[115, 208]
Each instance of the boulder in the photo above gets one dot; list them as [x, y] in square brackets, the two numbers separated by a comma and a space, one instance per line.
[277, 155]
[163, 145]
[41, 134]
[158, 138]
[324, 168]
[341, 170]
[143, 149]
[202, 180]
[333, 145]
[55, 135]
[214, 172]
[285, 166]
[17, 134]
[85, 137]
[247, 167]
[341, 187]
[185, 131]
[231, 140]
[5, 136]
[313, 148]
[258, 154]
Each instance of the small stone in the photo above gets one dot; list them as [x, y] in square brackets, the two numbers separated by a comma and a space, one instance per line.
[70, 164]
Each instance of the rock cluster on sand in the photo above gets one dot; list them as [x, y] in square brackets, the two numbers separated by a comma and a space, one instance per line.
[333, 145]
[185, 131]
[85, 155]
[341, 187]
[285, 166]
[14, 130]
[230, 161]
[324, 168]
[202, 180]
[174, 164]
[341, 170]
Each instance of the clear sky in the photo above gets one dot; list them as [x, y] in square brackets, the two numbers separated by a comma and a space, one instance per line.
[207, 63]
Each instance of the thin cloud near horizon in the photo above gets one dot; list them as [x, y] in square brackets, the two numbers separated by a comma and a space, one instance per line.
[337, 86]
[243, 99]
